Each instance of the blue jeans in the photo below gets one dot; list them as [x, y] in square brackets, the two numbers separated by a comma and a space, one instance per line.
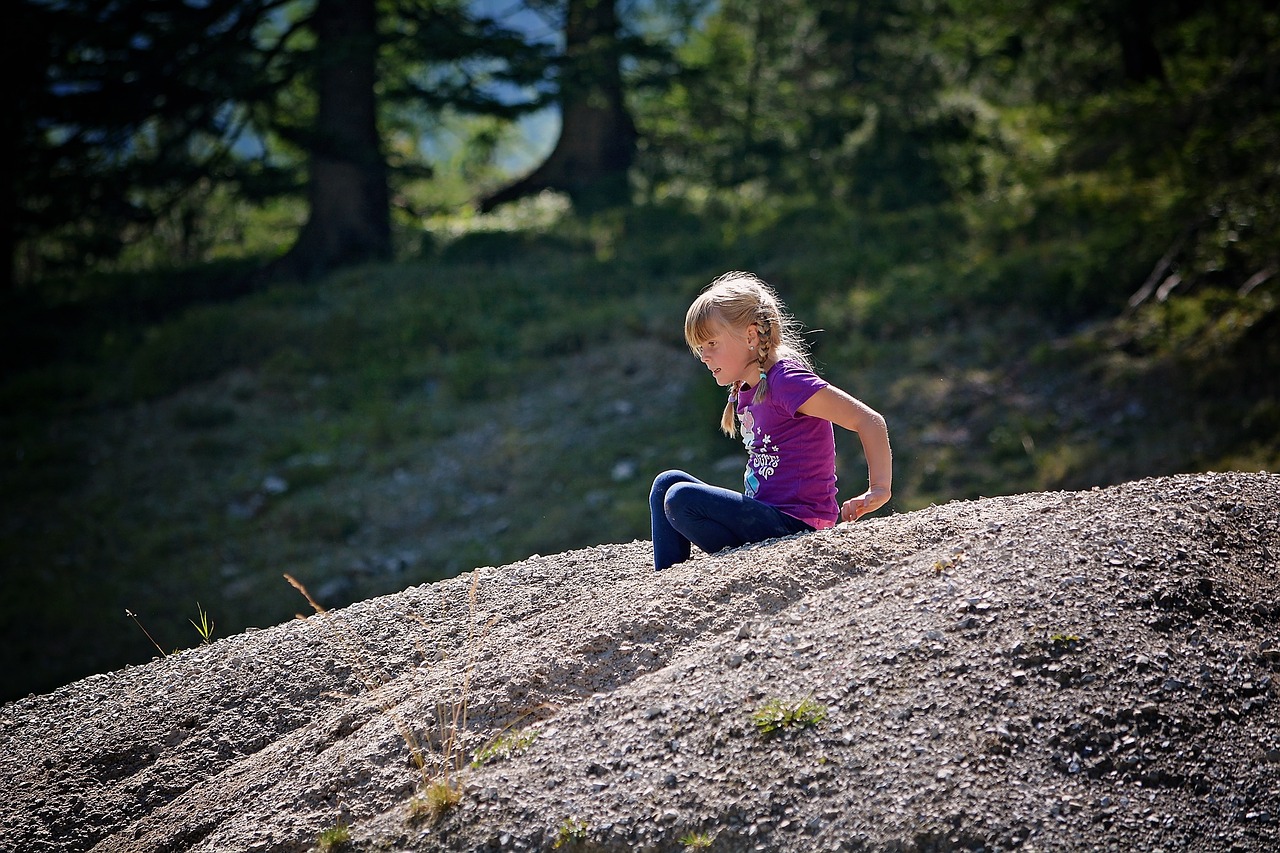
[685, 510]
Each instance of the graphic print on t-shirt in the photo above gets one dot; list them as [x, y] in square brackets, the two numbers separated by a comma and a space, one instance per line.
[762, 461]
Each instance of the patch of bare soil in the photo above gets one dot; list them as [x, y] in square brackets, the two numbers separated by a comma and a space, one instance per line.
[1048, 671]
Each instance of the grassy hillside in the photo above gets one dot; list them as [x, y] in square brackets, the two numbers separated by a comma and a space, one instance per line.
[174, 449]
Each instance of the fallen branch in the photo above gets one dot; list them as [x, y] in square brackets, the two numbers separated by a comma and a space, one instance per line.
[1157, 276]
[1256, 279]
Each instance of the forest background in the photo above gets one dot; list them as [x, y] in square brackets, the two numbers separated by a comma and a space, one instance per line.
[374, 293]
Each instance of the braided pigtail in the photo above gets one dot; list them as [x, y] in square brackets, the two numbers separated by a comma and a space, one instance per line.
[765, 343]
[729, 420]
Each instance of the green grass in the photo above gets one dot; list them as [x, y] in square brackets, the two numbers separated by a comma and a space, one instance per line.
[571, 832]
[168, 440]
[334, 839]
[504, 746]
[204, 627]
[697, 840]
[437, 799]
[778, 715]
[1064, 642]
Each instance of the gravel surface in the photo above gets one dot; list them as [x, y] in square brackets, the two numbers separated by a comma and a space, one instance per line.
[1050, 671]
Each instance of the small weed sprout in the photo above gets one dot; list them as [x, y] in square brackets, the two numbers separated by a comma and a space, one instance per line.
[436, 799]
[204, 627]
[504, 746]
[776, 715]
[697, 840]
[572, 830]
[334, 838]
[1065, 642]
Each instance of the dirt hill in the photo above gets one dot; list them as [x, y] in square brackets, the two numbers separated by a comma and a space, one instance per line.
[1049, 671]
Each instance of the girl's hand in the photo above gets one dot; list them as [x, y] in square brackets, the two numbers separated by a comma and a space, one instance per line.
[869, 501]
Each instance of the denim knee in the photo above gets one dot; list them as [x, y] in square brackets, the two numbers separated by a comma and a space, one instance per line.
[664, 481]
[671, 499]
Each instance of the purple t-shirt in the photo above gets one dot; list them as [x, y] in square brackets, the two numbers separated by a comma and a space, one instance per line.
[791, 458]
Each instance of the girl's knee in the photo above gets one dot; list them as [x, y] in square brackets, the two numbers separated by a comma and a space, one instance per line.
[660, 485]
[664, 481]
[677, 498]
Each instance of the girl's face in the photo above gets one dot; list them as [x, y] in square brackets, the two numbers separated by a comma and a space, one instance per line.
[730, 355]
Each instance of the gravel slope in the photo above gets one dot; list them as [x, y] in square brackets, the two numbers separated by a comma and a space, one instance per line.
[1050, 671]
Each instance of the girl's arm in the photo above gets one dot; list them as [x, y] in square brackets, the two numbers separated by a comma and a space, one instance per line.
[840, 408]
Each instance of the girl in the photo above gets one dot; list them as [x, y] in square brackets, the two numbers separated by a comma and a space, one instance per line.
[740, 330]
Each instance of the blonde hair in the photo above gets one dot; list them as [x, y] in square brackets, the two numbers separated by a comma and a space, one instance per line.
[738, 300]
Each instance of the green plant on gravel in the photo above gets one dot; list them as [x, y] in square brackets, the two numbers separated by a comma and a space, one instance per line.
[572, 830]
[204, 627]
[504, 746]
[1065, 642]
[334, 838]
[776, 715]
[697, 840]
[436, 799]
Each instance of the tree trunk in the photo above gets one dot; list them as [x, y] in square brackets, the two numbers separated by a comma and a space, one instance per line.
[597, 140]
[350, 220]
[1138, 51]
